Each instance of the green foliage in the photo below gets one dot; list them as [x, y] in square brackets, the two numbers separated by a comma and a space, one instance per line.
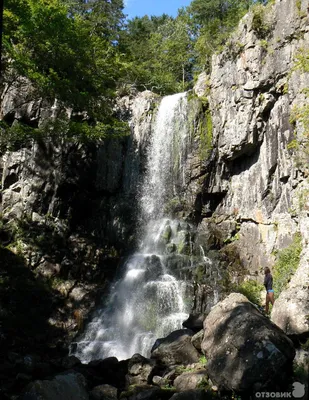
[64, 55]
[293, 145]
[259, 24]
[305, 346]
[252, 290]
[159, 53]
[180, 369]
[21, 135]
[205, 145]
[232, 239]
[286, 264]
[203, 360]
[16, 136]
[214, 21]
[300, 372]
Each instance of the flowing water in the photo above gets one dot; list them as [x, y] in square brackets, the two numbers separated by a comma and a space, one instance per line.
[151, 299]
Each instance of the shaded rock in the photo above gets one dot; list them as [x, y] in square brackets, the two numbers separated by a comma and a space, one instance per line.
[244, 350]
[194, 322]
[103, 392]
[192, 395]
[202, 84]
[139, 370]
[146, 392]
[176, 348]
[159, 380]
[197, 339]
[70, 362]
[69, 386]
[109, 371]
[189, 380]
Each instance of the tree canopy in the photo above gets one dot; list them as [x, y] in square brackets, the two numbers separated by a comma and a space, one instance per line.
[81, 51]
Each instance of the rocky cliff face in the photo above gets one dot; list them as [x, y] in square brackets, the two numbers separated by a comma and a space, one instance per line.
[68, 208]
[256, 191]
[245, 183]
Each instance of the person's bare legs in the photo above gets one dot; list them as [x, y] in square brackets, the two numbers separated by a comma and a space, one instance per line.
[267, 303]
[269, 298]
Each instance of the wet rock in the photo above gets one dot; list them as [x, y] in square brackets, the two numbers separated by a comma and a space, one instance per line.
[244, 350]
[139, 370]
[194, 322]
[175, 349]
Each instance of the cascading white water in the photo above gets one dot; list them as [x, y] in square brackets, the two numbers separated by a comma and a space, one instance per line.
[166, 156]
[147, 302]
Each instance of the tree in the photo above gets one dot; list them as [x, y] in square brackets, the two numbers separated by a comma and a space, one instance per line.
[71, 57]
[159, 52]
[214, 21]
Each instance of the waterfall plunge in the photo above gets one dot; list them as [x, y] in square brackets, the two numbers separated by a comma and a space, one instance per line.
[147, 302]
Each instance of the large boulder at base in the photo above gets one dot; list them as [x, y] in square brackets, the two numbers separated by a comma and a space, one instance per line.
[70, 386]
[108, 371]
[175, 349]
[244, 350]
[290, 311]
[139, 370]
[189, 380]
[103, 392]
[146, 393]
[192, 395]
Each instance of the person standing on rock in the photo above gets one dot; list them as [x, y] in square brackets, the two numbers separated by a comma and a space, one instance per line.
[268, 283]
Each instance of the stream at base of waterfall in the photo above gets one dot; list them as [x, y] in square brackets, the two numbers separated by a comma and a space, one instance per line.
[152, 297]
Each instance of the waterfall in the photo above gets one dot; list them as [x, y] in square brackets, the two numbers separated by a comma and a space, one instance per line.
[166, 156]
[149, 300]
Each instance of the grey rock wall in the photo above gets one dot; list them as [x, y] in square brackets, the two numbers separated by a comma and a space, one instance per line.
[70, 208]
[255, 86]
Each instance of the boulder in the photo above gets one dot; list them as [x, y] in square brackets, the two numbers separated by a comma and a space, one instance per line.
[103, 392]
[197, 339]
[192, 395]
[108, 371]
[69, 386]
[139, 370]
[146, 392]
[194, 322]
[70, 362]
[245, 351]
[175, 349]
[189, 380]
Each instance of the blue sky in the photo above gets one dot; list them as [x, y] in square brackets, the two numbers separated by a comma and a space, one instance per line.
[139, 8]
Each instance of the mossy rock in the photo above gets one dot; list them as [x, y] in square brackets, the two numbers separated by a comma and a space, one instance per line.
[167, 234]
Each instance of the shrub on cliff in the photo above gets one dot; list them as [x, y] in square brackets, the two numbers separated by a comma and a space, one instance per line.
[287, 263]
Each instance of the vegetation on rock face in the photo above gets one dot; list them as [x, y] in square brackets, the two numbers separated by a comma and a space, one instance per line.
[205, 133]
[252, 290]
[259, 23]
[287, 263]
